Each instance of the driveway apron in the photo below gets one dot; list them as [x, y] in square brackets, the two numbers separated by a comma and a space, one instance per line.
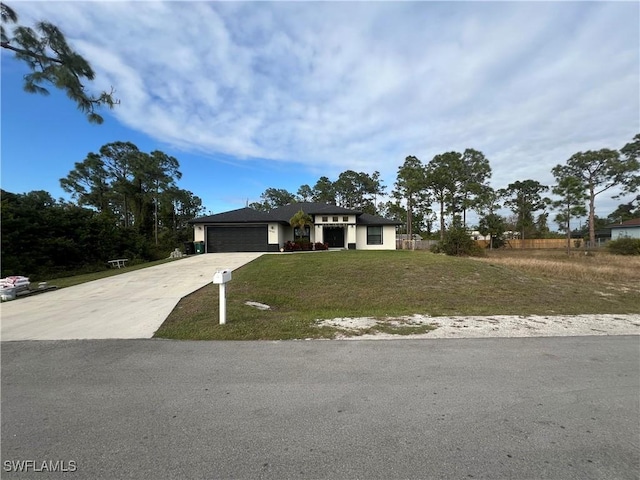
[130, 305]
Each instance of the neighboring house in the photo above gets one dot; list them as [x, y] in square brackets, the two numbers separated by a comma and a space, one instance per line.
[248, 230]
[629, 228]
[476, 235]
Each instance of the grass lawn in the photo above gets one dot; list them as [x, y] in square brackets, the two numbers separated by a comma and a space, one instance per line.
[302, 288]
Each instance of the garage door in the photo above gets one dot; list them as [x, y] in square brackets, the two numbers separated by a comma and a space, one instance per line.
[237, 238]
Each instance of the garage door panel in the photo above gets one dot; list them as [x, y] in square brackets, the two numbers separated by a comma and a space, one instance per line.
[237, 238]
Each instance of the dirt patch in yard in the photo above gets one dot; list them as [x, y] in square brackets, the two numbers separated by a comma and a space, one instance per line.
[412, 327]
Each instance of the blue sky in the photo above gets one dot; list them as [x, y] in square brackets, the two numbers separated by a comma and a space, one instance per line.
[249, 96]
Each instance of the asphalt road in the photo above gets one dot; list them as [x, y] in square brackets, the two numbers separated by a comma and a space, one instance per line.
[561, 408]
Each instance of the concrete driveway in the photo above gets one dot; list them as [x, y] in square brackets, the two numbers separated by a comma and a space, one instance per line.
[131, 305]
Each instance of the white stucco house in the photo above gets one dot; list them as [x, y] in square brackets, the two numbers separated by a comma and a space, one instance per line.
[629, 228]
[249, 230]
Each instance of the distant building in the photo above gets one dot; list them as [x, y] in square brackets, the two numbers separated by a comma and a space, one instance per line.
[476, 235]
[629, 228]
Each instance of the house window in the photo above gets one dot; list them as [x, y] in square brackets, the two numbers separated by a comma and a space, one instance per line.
[345, 219]
[335, 219]
[302, 234]
[374, 235]
[325, 219]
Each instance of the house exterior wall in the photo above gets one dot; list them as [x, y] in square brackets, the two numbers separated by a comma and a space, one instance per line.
[621, 232]
[352, 237]
[198, 233]
[274, 234]
[388, 238]
[348, 222]
[334, 219]
[355, 236]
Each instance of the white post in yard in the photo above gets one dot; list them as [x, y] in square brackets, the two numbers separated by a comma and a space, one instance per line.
[221, 277]
[223, 303]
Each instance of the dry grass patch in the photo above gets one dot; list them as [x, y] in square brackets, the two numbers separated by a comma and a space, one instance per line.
[598, 270]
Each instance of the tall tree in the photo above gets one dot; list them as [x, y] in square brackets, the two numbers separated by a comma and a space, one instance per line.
[304, 194]
[493, 225]
[524, 198]
[572, 201]
[324, 191]
[441, 174]
[625, 211]
[273, 198]
[154, 173]
[126, 183]
[52, 61]
[631, 156]
[120, 159]
[411, 187]
[476, 172]
[358, 190]
[490, 222]
[598, 171]
[88, 183]
[177, 207]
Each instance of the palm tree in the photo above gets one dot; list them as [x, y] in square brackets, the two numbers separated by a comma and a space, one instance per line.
[299, 221]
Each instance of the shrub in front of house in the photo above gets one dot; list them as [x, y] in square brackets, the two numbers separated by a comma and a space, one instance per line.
[458, 242]
[624, 246]
[304, 245]
[290, 246]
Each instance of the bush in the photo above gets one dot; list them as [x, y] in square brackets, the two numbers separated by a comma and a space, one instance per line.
[458, 242]
[624, 246]
[299, 245]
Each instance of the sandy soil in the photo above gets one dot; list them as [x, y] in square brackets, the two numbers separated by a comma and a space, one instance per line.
[492, 326]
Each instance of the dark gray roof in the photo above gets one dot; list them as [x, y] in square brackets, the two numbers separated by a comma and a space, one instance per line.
[312, 208]
[284, 214]
[367, 219]
[242, 215]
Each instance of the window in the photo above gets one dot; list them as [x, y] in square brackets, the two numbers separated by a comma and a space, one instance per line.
[374, 235]
[325, 219]
[345, 219]
[335, 219]
[304, 235]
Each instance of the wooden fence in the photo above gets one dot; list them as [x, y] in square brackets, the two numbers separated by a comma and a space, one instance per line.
[535, 243]
[415, 244]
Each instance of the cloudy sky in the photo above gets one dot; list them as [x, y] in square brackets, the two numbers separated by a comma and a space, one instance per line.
[252, 95]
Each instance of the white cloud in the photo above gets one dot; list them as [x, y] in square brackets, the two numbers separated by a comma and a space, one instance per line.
[363, 85]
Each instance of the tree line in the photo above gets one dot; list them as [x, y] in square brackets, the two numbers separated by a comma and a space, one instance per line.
[353, 190]
[126, 203]
[452, 184]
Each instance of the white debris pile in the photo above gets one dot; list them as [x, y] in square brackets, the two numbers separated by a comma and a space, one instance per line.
[18, 282]
[10, 286]
[494, 326]
[176, 254]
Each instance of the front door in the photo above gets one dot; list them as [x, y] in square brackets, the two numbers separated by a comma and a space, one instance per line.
[334, 237]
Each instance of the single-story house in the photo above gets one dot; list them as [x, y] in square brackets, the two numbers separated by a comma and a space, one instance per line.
[629, 228]
[249, 230]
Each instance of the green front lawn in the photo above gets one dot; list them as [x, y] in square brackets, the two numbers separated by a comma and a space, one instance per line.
[304, 287]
